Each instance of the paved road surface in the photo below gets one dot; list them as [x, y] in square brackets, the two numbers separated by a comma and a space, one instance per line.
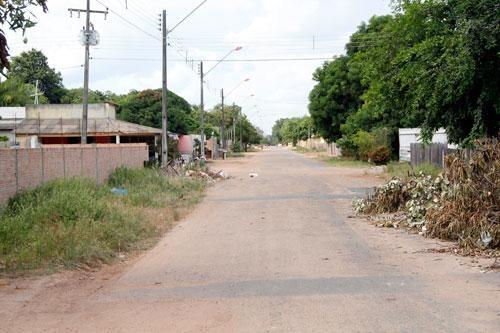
[276, 253]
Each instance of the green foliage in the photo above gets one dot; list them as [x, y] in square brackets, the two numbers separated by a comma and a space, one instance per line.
[145, 108]
[405, 170]
[292, 130]
[64, 223]
[365, 143]
[14, 93]
[149, 188]
[74, 222]
[75, 96]
[17, 15]
[3, 138]
[335, 96]
[28, 67]
[432, 64]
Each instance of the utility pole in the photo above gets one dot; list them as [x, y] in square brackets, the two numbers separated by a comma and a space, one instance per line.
[90, 37]
[85, 114]
[164, 122]
[202, 112]
[223, 123]
[234, 124]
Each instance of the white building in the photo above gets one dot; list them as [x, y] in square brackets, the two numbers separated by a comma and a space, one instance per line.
[407, 136]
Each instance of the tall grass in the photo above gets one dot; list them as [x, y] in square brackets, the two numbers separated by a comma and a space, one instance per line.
[74, 222]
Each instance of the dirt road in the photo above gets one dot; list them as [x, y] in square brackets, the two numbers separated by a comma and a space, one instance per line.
[275, 253]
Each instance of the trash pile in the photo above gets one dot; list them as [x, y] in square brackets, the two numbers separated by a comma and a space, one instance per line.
[207, 174]
[462, 204]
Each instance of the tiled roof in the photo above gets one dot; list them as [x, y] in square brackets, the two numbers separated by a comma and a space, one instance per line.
[66, 127]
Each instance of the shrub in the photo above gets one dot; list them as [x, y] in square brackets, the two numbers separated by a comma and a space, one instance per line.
[366, 143]
[3, 138]
[380, 155]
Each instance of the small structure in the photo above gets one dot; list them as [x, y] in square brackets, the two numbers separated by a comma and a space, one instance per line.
[48, 124]
[407, 136]
[10, 118]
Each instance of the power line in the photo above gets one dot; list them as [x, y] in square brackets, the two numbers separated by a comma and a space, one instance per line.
[129, 22]
[188, 15]
[226, 60]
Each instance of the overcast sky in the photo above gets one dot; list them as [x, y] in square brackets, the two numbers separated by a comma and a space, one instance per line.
[129, 54]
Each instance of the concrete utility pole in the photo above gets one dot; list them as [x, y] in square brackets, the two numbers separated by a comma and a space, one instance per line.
[89, 37]
[85, 114]
[164, 113]
[202, 112]
[234, 124]
[223, 123]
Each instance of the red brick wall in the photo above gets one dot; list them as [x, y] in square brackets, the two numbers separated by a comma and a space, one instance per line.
[35, 166]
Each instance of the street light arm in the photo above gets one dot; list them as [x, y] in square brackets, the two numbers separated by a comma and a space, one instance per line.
[237, 86]
[223, 58]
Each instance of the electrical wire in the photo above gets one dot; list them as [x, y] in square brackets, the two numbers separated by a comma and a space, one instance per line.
[129, 22]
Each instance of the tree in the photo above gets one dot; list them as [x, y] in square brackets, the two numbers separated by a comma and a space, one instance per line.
[293, 130]
[335, 96]
[14, 93]
[144, 108]
[75, 96]
[15, 14]
[31, 66]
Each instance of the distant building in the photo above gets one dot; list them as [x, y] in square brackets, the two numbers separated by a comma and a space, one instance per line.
[48, 124]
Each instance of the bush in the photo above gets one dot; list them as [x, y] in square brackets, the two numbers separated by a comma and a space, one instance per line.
[3, 138]
[347, 146]
[380, 155]
[366, 143]
[236, 147]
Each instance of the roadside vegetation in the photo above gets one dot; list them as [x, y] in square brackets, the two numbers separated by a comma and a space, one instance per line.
[462, 204]
[405, 170]
[71, 223]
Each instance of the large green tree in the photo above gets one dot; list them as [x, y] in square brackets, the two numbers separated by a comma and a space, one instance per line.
[16, 14]
[145, 108]
[335, 96]
[33, 65]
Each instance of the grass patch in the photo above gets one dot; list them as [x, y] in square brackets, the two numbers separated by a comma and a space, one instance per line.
[149, 188]
[70, 223]
[235, 154]
[345, 162]
[405, 170]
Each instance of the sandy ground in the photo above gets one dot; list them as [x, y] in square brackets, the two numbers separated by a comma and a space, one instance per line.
[276, 253]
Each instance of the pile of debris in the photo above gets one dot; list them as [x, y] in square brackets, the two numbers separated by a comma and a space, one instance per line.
[462, 204]
[469, 208]
[207, 174]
